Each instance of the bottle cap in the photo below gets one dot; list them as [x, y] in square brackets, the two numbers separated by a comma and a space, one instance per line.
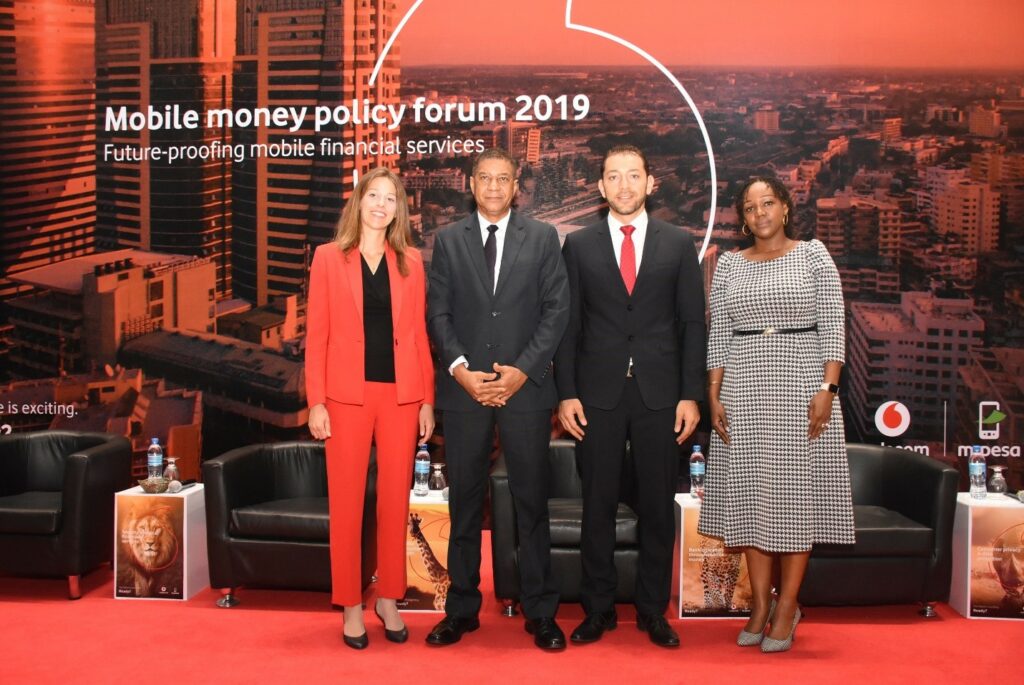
[696, 448]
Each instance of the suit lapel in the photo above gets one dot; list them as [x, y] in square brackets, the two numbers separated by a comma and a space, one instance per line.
[396, 283]
[475, 247]
[515, 234]
[650, 253]
[353, 263]
[608, 257]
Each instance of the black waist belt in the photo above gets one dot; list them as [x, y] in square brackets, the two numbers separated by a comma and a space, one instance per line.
[774, 331]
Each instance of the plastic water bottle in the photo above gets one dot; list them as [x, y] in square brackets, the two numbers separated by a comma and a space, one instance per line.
[155, 459]
[421, 472]
[697, 472]
[976, 470]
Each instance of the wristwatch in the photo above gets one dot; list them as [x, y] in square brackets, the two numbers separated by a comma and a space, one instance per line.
[831, 387]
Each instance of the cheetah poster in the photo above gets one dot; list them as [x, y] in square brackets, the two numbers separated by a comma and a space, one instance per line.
[713, 581]
[427, 561]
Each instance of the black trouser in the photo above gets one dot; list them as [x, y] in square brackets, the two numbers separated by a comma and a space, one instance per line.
[468, 438]
[656, 468]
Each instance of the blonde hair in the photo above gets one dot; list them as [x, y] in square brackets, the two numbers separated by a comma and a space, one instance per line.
[398, 234]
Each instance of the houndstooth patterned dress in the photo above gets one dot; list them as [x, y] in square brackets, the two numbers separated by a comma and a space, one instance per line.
[772, 488]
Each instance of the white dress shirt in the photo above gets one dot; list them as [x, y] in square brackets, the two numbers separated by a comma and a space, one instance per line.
[499, 240]
[639, 234]
[499, 243]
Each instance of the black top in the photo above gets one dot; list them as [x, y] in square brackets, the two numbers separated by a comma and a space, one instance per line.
[378, 329]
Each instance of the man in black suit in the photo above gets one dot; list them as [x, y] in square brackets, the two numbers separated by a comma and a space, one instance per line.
[498, 304]
[630, 367]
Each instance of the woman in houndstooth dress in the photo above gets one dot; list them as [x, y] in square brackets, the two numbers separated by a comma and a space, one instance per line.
[777, 476]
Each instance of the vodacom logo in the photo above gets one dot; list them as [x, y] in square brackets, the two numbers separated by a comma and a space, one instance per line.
[892, 419]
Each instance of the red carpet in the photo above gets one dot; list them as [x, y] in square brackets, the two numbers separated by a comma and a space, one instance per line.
[285, 637]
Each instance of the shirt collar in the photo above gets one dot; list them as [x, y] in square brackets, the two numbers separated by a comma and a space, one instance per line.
[501, 223]
[639, 223]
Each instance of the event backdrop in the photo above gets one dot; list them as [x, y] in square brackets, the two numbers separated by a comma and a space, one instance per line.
[168, 168]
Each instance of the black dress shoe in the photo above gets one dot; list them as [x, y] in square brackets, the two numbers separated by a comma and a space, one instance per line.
[546, 633]
[450, 630]
[398, 636]
[360, 642]
[658, 629]
[593, 627]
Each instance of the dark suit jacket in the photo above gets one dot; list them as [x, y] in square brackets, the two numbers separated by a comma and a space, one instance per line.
[519, 324]
[661, 326]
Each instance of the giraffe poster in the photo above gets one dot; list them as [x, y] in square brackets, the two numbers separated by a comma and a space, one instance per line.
[427, 556]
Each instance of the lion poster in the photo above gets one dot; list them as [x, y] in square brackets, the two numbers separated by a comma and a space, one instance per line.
[148, 550]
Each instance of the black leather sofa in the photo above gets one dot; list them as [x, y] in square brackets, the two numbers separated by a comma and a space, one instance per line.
[267, 522]
[57, 502]
[903, 512]
[903, 507]
[565, 504]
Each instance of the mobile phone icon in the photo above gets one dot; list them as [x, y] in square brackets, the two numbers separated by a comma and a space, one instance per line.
[988, 425]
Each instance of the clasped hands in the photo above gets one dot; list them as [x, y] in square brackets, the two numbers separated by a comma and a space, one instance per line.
[490, 389]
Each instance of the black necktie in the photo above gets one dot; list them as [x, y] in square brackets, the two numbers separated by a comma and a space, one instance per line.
[491, 252]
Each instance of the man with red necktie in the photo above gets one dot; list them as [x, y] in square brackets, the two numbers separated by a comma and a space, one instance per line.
[630, 367]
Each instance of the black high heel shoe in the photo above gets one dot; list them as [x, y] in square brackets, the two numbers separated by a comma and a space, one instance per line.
[397, 636]
[360, 642]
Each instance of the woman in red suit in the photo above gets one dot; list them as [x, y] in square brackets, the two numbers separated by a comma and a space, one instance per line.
[369, 375]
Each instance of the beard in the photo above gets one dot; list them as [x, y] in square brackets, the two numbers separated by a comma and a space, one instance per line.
[626, 207]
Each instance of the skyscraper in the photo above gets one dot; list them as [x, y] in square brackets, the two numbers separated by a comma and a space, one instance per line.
[969, 211]
[849, 224]
[766, 120]
[152, 54]
[47, 141]
[304, 53]
[909, 352]
[521, 139]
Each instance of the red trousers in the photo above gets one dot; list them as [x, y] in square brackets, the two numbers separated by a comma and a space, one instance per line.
[394, 428]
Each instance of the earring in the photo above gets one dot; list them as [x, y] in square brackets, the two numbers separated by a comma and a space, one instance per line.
[744, 229]
[785, 219]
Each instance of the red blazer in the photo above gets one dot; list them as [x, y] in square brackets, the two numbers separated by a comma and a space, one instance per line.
[335, 353]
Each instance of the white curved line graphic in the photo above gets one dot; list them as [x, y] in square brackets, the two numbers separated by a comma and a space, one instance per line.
[626, 44]
[668, 74]
[391, 41]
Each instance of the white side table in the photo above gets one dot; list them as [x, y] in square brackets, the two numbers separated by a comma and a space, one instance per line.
[160, 544]
[710, 580]
[426, 547]
[988, 557]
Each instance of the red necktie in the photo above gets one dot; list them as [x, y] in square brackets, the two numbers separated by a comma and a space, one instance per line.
[627, 260]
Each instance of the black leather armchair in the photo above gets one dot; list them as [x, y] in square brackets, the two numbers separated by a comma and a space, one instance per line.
[903, 512]
[57, 502]
[565, 504]
[267, 521]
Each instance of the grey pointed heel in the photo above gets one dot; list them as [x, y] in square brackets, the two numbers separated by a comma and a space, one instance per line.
[748, 639]
[772, 645]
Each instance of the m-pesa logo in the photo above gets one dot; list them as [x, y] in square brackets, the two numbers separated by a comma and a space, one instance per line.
[892, 419]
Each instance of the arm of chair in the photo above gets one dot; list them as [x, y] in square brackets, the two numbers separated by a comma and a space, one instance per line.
[13, 463]
[91, 477]
[503, 534]
[924, 489]
[236, 478]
